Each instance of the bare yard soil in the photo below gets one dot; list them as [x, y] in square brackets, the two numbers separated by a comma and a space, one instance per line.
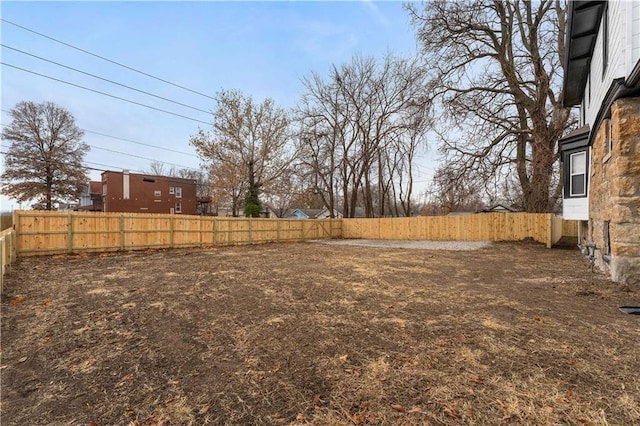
[318, 334]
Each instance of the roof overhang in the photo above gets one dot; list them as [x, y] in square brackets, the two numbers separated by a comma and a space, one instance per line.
[583, 22]
[579, 138]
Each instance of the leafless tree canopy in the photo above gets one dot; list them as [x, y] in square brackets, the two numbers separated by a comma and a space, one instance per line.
[248, 141]
[496, 69]
[44, 160]
[449, 194]
[360, 130]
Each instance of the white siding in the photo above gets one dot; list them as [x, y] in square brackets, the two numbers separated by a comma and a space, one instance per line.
[575, 208]
[616, 53]
[635, 33]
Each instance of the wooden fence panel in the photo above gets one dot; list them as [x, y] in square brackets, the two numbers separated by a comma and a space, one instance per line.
[570, 228]
[477, 227]
[85, 237]
[7, 252]
[39, 232]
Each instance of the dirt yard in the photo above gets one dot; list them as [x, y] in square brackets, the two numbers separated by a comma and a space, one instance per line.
[318, 334]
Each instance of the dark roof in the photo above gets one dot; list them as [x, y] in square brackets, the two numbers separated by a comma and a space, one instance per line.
[583, 22]
[499, 207]
[579, 132]
[578, 138]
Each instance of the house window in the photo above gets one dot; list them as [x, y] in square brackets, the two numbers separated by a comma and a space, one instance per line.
[178, 208]
[578, 174]
[172, 190]
[178, 192]
[605, 39]
[157, 193]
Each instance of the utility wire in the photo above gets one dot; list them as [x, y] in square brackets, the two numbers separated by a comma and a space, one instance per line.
[140, 143]
[106, 59]
[144, 158]
[105, 94]
[138, 156]
[126, 140]
[66, 163]
[103, 79]
[172, 179]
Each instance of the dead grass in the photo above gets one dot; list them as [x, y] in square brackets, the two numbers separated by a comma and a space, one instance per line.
[309, 334]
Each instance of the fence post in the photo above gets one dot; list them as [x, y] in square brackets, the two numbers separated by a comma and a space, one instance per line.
[15, 228]
[214, 230]
[122, 232]
[171, 231]
[250, 230]
[69, 233]
[13, 251]
[278, 230]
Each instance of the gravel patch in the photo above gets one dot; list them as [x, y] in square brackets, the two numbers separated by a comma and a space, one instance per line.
[412, 244]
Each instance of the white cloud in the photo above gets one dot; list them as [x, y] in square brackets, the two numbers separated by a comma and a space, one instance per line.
[375, 11]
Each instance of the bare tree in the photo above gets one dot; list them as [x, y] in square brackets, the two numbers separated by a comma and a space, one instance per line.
[283, 193]
[248, 146]
[158, 168]
[496, 69]
[360, 131]
[452, 193]
[44, 161]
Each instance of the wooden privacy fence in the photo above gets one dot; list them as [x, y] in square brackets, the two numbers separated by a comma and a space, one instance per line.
[542, 227]
[7, 251]
[39, 232]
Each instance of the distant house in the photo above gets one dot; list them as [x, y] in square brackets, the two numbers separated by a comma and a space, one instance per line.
[500, 208]
[312, 214]
[91, 197]
[132, 192]
[602, 158]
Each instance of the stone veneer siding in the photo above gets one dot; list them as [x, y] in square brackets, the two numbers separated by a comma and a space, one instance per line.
[614, 192]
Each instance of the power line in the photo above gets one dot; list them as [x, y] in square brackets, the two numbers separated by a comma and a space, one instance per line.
[172, 179]
[66, 163]
[127, 140]
[136, 156]
[140, 143]
[105, 94]
[144, 158]
[107, 59]
[103, 79]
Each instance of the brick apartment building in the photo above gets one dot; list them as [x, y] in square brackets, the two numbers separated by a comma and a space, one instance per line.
[132, 192]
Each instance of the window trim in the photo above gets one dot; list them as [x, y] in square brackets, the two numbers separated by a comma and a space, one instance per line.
[572, 174]
[172, 190]
[178, 208]
[178, 192]
[157, 193]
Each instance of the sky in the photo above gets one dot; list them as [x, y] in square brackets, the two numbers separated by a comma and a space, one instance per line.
[263, 49]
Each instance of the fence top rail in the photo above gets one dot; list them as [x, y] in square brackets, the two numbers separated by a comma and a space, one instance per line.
[102, 215]
[7, 232]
